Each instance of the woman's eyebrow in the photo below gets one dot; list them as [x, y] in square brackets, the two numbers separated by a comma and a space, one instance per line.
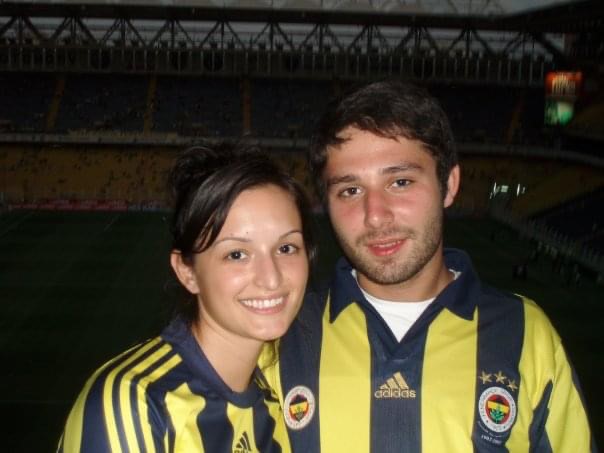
[245, 239]
[232, 238]
[295, 230]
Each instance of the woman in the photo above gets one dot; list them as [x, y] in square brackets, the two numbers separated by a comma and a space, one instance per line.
[241, 247]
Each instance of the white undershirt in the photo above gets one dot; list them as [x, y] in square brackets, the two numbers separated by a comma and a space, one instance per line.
[399, 315]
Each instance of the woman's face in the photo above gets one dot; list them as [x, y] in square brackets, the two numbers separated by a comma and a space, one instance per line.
[250, 282]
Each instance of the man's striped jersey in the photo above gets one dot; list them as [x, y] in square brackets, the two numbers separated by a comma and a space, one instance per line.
[479, 371]
[164, 396]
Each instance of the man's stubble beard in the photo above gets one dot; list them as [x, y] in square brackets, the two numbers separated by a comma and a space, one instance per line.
[396, 269]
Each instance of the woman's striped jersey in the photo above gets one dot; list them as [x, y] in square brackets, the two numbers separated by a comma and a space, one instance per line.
[479, 371]
[164, 396]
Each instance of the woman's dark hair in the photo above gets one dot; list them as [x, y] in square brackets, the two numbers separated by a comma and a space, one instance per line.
[204, 183]
[389, 109]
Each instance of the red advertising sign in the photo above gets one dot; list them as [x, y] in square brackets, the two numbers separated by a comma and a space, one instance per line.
[563, 84]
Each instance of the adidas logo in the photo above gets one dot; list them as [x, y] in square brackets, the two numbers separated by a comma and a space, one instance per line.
[243, 446]
[395, 387]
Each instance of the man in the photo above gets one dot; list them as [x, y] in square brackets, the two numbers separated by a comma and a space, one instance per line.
[408, 351]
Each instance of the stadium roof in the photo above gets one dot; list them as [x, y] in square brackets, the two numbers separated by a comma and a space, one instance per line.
[453, 7]
[566, 17]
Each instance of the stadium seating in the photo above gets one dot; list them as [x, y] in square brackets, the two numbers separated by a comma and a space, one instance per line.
[198, 107]
[85, 173]
[102, 103]
[489, 114]
[222, 107]
[24, 101]
[580, 219]
[285, 108]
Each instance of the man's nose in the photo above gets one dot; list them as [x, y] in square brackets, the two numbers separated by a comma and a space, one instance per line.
[377, 209]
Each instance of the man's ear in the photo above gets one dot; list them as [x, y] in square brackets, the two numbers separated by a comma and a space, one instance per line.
[184, 272]
[452, 186]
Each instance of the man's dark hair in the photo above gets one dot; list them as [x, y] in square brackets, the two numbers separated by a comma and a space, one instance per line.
[389, 109]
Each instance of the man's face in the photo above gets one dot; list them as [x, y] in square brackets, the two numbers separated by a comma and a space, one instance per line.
[386, 207]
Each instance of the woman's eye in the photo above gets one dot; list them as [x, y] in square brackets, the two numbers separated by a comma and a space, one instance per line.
[236, 255]
[288, 249]
[349, 192]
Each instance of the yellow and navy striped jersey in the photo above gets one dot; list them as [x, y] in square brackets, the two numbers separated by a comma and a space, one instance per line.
[479, 371]
[164, 396]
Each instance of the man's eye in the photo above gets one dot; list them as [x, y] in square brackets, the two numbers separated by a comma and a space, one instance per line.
[401, 182]
[288, 249]
[235, 255]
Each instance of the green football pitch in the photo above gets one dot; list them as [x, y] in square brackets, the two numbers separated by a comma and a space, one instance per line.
[78, 288]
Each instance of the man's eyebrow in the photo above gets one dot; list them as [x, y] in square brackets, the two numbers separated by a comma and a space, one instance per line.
[344, 179]
[347, 179]
[402, 167]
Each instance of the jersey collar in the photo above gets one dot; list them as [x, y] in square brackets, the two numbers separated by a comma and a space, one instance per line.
[179, 335]
[460, 296]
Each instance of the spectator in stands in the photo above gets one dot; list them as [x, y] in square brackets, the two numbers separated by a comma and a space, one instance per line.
[408, 350]
[241, 247]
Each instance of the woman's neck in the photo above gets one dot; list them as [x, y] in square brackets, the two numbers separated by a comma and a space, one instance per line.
[233, 358]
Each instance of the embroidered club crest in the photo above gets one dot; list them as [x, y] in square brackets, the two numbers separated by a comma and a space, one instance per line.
[299, 407]
[497, 409]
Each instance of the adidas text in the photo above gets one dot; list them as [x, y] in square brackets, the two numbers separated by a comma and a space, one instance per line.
[394, 393]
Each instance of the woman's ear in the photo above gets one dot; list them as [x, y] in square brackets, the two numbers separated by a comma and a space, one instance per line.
[184, 272]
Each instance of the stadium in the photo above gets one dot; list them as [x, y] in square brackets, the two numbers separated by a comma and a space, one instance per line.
[98, 97]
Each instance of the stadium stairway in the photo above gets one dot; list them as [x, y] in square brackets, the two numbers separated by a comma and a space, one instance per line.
[569, 182]
[150, 105]
[515, 123]
[247, 105]
[55, 103]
